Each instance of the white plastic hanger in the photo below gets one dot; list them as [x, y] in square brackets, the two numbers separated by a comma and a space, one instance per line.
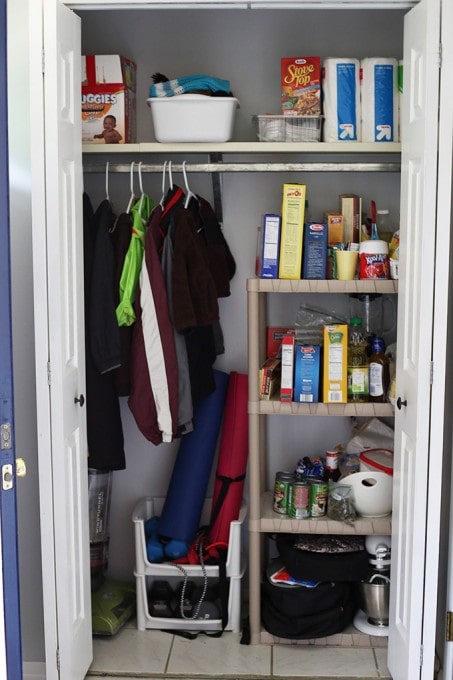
[140, 183]
[132, 198]
[189, 193]
[163, 184]
[107, 197]
[170, 176]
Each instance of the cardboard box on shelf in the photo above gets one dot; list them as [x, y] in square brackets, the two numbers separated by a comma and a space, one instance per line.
[269, 378]
[267, 256]
[108, 99]
[301, 86]
[315, 251]
[307, 373]
[292, 231]
[287, 374]
[351, 209]
[335, 364]
[334, 227]
[274, 339]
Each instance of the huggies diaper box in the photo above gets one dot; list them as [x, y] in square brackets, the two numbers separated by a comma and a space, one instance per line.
[108, 99]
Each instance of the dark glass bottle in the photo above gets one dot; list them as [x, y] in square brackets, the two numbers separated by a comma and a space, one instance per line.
[379, 377]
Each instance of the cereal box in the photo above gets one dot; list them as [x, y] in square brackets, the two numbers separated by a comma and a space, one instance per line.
[108, 99]
[301, 86]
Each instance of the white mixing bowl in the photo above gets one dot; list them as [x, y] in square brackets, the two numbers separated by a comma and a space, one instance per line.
[372, 492]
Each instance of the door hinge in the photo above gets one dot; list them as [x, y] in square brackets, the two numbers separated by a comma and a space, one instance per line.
[43, 62]
[449, 627]
[431, 373]
[49, 373]
[58, 659]
[421, 656]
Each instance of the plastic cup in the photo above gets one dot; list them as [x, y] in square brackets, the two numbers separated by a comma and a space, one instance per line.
[346, 264]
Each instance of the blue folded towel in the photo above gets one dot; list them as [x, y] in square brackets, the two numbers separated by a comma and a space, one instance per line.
[187, 84]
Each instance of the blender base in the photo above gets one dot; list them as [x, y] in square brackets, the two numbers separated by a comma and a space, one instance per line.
[362, 624]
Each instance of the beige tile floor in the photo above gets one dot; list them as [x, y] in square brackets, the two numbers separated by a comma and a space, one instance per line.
[161, 656]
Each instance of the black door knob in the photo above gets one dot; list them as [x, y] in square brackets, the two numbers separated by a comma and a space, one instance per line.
[79, 400]
[400, 403]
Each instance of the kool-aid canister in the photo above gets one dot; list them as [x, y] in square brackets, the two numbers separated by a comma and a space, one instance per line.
[374, 260]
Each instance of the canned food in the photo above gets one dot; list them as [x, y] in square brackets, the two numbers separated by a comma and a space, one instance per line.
[299, 500]
[318, 497]
[283, 480]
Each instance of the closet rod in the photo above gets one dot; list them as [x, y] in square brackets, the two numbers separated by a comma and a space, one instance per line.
[250, 167]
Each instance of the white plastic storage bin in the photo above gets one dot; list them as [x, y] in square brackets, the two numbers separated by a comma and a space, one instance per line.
[193, 118]
[146, 573]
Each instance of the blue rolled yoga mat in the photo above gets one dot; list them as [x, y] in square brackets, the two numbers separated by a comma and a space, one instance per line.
[186, 493]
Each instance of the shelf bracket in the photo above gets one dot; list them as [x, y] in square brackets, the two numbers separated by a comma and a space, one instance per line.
[217, 187]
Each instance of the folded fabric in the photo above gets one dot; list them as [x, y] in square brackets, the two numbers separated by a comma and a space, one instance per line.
[186, 84]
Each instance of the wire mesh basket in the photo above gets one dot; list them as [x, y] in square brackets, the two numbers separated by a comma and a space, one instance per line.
[273, 128]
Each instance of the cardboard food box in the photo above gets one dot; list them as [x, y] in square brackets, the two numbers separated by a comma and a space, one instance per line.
[334, 228]
[108, 99]
[315, 251]
[307, 372]
[267, 256]
[274, 339]
[287, 368]
[335, 364]
[301, 86]
[351, 209]
[269, 378]
[292, 231]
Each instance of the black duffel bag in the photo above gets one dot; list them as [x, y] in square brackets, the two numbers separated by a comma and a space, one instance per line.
[321, 557]
[301, 613]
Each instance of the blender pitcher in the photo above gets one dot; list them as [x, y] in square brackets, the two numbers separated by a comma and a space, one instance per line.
[377, 312]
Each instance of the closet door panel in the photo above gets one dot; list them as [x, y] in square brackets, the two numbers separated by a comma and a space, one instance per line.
[65, 494]
[413, 454]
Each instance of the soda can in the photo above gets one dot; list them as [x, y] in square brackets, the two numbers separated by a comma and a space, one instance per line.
[299, 500]
[283, 481]
[318, 497]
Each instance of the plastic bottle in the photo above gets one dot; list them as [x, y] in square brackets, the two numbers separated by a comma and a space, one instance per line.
[357, 362]
[384, 226]
[379, 377]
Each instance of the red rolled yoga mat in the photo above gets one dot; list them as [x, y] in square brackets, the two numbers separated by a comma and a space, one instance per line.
[232, 460]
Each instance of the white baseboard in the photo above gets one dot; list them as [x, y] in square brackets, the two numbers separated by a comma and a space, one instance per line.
[34, 671]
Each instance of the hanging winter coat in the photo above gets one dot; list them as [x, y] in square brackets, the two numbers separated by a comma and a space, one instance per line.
[220, 260]
[154, 368]
[121, 238]
[104, 427]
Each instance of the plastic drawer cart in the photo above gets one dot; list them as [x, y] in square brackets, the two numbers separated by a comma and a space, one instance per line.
[146, 573]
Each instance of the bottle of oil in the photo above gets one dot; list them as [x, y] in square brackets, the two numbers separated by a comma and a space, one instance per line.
[379, 378]
[357, 362]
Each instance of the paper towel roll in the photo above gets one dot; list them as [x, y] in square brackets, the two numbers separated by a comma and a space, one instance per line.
[341, 99]
[379, 99]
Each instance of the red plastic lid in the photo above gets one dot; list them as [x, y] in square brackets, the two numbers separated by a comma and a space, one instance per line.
[379, 459]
